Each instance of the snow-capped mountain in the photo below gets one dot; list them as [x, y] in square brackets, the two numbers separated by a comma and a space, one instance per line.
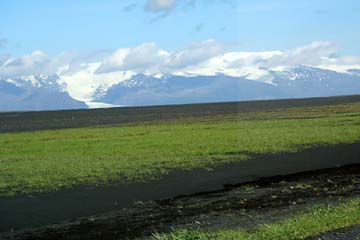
[294, 82]
[354, 71]
[146, 90]
[39, 92]
[35, 93]
[303, 81]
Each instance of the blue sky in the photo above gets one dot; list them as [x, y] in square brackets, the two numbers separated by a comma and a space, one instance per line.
[251, 25]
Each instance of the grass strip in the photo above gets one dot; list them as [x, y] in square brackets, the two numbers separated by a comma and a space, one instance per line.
[45, 161]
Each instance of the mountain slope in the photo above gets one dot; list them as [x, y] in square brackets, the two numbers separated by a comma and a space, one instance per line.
[35, 93]
[303, 82]
[144, 90]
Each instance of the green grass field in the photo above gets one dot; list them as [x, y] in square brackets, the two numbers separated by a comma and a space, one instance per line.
[316, 220]
[43, 161]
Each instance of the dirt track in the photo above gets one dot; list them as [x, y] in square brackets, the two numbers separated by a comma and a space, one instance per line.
[349, 233]
[245, 205]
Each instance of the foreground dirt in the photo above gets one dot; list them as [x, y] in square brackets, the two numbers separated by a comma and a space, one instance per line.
[349, 233]
[245, 205]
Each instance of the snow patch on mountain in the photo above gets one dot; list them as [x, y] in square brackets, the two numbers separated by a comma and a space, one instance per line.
[354, 71]
[101, 105]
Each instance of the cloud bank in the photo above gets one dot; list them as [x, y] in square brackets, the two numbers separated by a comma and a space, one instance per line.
[83, 73]
[148, 58]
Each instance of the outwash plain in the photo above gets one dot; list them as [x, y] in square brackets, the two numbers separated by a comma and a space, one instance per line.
[279, 169]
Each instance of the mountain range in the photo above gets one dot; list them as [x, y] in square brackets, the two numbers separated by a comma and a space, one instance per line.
[296, 82]
[48, 93]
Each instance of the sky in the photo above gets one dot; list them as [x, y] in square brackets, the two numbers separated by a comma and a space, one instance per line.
[97, 43]
[253, 25]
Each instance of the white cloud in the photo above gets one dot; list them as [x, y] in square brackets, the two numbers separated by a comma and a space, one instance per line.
[160, 5]
[36, 62]
[254, 65]
[144, 57]
[195, 53]
[4, 58]
[312, 54]
[148, 58]
[163, 8]
[167, 6]
[232, 63]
